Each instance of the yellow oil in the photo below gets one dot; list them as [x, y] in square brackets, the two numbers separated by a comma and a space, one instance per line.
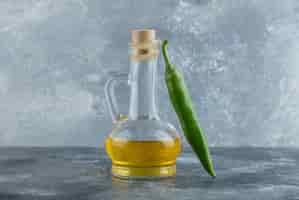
[155, 157]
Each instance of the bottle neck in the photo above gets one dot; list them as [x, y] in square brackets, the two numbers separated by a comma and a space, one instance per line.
[143, 89]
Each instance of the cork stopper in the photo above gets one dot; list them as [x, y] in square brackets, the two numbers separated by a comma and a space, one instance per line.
[143, 36]
[144, 44]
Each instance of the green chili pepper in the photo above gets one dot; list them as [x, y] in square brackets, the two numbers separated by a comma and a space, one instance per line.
[182, 103]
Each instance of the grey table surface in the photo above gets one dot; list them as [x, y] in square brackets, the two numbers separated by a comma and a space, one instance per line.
[83, 173]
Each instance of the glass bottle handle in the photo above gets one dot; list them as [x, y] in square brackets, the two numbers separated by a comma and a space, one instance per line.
[111, 100]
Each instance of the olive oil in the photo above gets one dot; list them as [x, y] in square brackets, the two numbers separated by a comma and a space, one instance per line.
[143, 158]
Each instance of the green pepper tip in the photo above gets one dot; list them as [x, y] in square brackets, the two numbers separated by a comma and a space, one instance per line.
[165, 43]
[213, 174]
[165, 55]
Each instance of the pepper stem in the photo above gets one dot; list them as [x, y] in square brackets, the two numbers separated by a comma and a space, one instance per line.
[165, 54]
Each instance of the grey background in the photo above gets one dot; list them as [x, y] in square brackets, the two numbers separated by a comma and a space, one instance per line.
[239, 59]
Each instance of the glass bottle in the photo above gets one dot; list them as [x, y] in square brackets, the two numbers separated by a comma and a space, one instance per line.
[141, 145]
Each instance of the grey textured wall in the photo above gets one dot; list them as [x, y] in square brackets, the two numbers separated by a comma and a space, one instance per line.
[239, 58]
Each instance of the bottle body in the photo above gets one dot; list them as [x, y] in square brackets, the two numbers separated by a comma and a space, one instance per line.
[142, 145]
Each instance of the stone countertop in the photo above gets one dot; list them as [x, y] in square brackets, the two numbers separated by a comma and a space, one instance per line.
[83, 173]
